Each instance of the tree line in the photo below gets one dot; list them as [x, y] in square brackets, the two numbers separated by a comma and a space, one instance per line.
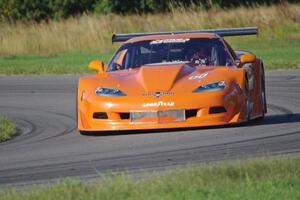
[38, 10]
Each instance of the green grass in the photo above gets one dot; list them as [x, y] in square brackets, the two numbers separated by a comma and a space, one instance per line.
[7, 129]
[253, 179]
[276, 54]
[66, 46]
[60, 63]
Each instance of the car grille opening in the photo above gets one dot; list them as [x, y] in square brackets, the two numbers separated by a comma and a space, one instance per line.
[124, 115]
[216, 110]
[100, 115]
[191, 113]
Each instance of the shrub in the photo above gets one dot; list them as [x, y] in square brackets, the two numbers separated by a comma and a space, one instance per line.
[38, 10]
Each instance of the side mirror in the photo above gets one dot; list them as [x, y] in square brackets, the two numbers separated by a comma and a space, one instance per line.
[247, 58]
[98, 66]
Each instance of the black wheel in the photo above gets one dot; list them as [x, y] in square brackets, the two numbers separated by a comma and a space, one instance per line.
[263, 96]
[247, 101]
[85, 132]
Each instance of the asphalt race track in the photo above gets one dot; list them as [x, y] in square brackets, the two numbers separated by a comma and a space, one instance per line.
[49, 146]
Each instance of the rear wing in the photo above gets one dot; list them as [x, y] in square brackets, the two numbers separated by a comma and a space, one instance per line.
[219, 32]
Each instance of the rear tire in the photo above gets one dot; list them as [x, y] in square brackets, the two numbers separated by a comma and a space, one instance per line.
[247, 102]
[263, 96]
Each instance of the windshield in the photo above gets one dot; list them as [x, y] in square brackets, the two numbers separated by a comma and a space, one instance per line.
[196, 51]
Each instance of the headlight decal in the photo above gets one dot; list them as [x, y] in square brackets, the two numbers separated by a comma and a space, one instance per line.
[211, 87]
[106, 91]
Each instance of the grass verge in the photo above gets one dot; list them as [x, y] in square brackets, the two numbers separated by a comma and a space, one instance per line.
[253, 179]
[67, 46]
[93, 32]
[58, 63]
[7, 129]
[276, 54]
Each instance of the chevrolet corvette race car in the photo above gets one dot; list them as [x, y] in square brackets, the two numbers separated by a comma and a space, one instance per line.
[173, 80]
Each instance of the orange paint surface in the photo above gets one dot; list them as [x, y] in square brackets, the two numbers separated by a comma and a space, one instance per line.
[176, 82]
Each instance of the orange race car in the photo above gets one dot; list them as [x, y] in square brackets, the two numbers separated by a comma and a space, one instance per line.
[172, 80]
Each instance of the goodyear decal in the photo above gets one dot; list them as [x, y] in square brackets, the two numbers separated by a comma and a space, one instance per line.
[158, 104]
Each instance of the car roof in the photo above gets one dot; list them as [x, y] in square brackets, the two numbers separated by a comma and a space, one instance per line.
[173, 36]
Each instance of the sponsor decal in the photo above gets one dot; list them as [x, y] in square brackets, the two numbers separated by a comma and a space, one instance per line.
[158, 93]
[158, 104]
[166, 41]
[198, 76]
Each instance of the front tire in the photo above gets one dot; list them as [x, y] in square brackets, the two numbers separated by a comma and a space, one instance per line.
[86, 133]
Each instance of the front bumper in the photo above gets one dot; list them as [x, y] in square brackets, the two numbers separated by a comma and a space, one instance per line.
[197, 107]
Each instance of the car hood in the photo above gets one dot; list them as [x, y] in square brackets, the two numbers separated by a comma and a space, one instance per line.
[163, 78]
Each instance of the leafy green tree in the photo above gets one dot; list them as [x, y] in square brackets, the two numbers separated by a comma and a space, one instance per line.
[38, 10]
[24, 9]
[66, 8]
